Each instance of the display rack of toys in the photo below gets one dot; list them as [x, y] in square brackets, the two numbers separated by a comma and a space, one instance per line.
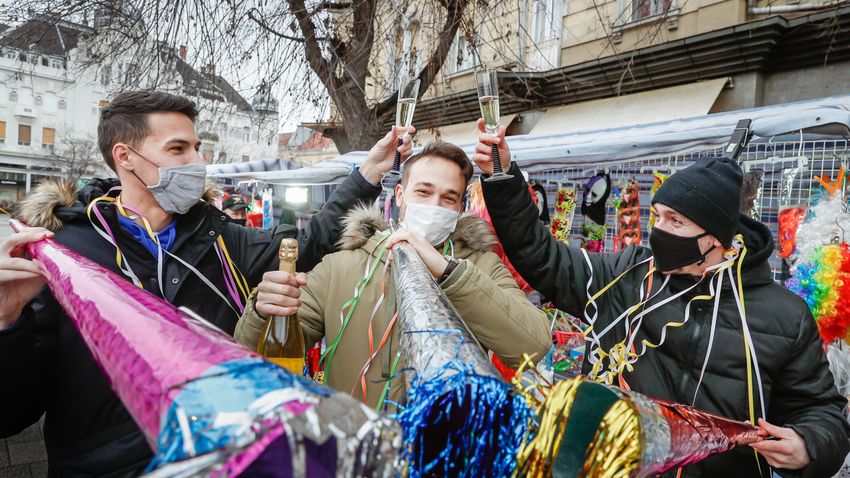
[565, 208]
[627, 205]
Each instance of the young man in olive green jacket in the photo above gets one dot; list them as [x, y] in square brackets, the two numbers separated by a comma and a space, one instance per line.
[455, 248]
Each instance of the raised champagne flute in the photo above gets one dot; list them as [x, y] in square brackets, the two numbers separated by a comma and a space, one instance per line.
[408, 93]
[488, 100]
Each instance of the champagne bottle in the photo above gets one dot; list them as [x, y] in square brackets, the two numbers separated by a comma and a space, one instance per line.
[283, 341]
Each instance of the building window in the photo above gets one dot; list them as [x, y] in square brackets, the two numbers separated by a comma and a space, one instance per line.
[641, 9]
[463, 55]
[105, 75]
[395, 59]
[38, 100]
[48, 138]
[222, 157]
[44, 61]
[546, 20]
[245, 158]
[11, 55]
[13, 96]
[2, 132]
[61, 104]
[24, 134]
[131, 74]
[402, 53]
[57, 63]
[34, 59]
[246, 134]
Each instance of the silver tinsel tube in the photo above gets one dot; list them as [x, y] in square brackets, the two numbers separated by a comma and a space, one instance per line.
[461, 419]
[432, 332]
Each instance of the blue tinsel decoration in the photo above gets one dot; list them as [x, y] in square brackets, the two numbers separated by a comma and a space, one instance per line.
[226, 387]
[459, 423]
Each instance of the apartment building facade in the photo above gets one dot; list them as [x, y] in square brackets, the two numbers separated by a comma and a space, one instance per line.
[50, 100]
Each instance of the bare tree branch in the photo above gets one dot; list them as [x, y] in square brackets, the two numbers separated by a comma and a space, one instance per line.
[455, 9]
[262, 24]
[312, 49]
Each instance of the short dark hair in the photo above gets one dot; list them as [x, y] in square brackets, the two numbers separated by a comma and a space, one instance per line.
[125, 119]
[439, 149]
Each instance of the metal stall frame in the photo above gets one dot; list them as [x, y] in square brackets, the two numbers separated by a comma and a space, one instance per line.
[812, 157]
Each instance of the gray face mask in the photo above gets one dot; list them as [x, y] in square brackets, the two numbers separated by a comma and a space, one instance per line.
[179, 187]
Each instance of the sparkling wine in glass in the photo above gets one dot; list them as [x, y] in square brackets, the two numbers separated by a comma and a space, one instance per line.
[488, 100]
[490, 112]
[404, 112]
[408, 92]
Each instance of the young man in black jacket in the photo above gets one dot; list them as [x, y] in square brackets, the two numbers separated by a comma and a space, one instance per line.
[779, 376]
[156, 217]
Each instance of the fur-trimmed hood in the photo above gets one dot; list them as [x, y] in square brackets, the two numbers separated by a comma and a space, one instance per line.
[56, 201]
[363, 222]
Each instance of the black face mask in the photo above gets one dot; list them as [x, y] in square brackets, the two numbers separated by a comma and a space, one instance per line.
[241, 222]
[674, 252]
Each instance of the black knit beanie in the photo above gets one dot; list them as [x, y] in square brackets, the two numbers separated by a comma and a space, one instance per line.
[708, 193]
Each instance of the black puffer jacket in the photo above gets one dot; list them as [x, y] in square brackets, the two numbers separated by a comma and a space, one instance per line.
[44, 363]
[798, 386]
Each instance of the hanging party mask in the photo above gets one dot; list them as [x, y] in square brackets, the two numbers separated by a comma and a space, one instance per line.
[596, 193]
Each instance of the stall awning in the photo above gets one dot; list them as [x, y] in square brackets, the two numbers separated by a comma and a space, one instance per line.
[269, 164]
[333, 171]
[664, 104]
[822, 116]
[461, 133]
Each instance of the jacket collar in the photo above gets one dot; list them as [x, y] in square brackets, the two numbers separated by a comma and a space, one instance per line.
[363, 228]
[55, 202]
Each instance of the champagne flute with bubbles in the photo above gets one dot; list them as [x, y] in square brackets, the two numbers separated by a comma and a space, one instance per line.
[408, 92]
[488, 100]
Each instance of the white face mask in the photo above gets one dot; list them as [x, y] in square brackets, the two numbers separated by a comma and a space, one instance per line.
[433, 223]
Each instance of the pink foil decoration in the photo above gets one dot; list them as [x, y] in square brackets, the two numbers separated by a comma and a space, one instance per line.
[114, 319]
[149, 351]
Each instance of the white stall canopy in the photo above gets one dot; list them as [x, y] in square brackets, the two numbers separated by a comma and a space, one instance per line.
[537, 152]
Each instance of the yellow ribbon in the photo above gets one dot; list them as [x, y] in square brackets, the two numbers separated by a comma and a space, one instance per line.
[620, 358]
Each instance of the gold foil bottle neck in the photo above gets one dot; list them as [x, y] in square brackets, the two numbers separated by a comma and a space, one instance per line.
[288, 255]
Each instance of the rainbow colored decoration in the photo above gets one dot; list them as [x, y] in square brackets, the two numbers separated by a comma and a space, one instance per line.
[823, 282]
[822, 274]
